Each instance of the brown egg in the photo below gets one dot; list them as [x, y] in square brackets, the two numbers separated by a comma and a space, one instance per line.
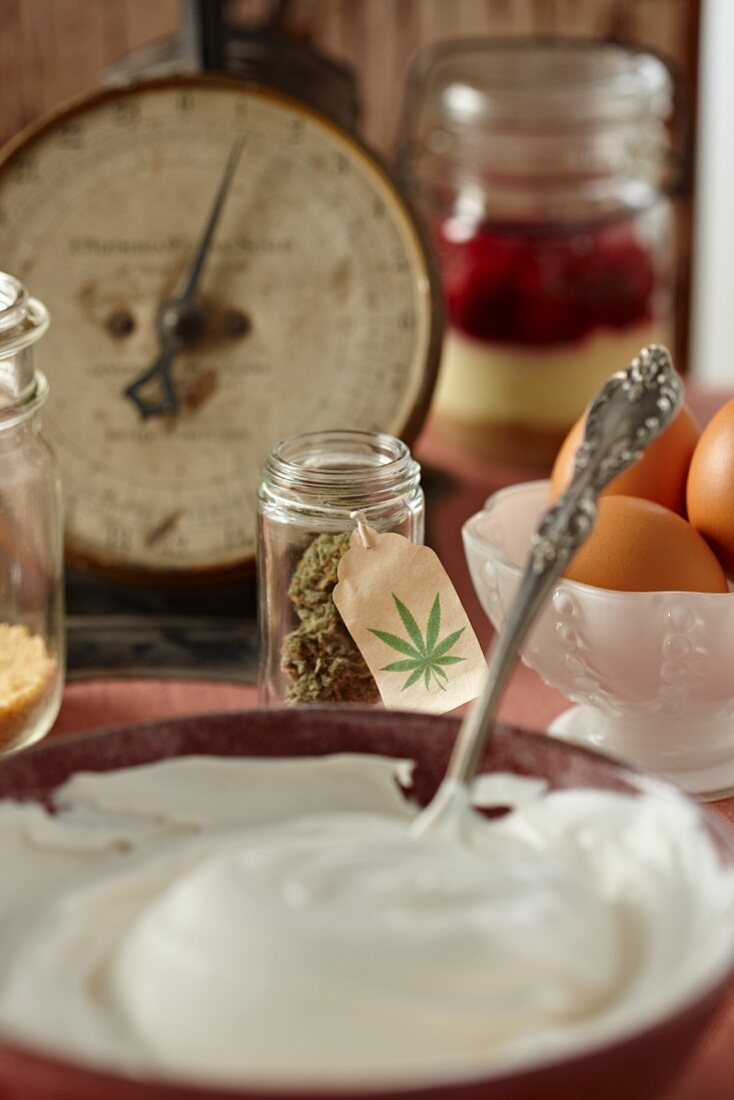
[639, 546]
[710, 494]
[660, 474]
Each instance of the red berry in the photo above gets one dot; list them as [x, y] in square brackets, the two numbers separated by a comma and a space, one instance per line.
[544, 289]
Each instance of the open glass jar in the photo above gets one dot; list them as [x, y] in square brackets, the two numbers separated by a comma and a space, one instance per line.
[310, 489]
[544, 170]
[31, 544]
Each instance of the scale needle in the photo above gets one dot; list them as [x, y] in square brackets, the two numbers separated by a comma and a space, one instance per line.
[178, 320]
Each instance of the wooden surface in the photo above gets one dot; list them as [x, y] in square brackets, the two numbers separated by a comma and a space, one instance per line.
[53, 49]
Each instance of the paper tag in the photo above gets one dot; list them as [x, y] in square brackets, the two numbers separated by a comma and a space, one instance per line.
[405, 617]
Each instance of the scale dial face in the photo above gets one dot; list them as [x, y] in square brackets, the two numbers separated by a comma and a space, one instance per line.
[317, 306]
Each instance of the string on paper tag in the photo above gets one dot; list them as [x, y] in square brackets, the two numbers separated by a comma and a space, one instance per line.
[361, 521]
[405, 617]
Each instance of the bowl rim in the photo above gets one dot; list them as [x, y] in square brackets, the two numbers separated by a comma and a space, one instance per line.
[471, 537]
[92, 1075]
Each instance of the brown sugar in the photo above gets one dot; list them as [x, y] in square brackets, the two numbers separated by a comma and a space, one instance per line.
[27, 672]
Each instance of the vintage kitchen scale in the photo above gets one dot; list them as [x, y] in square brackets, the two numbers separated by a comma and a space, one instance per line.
[225, 264]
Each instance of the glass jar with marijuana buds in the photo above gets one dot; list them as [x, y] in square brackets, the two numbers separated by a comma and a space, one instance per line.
[310, 488]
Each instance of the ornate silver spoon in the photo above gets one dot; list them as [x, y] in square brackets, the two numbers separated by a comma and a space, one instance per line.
[631, 409]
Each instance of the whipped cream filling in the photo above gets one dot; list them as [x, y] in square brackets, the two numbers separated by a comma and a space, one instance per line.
[481, 381]
[279, 922]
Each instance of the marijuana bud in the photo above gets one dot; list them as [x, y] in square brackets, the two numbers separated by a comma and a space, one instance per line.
[324, 665]
[315, 577]
[319, 657]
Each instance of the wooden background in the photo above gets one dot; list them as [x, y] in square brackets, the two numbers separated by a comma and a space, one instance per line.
[53, 49]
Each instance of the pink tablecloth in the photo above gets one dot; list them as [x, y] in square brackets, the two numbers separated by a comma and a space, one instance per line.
[103, 704]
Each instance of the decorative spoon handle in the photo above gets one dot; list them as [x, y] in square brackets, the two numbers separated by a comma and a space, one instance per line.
[632, 408]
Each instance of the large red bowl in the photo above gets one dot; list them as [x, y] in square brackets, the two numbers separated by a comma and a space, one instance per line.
[637, 1067]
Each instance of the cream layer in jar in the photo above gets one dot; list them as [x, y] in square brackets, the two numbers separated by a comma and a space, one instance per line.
[525, 389]
[539, 316]
[281, 922]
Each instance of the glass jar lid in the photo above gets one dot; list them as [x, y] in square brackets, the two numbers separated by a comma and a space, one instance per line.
[533, 84]
[342, 462]
[23, 320]
[513, 114]
[337, 471]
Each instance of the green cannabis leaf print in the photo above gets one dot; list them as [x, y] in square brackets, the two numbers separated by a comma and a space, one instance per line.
[424, 657]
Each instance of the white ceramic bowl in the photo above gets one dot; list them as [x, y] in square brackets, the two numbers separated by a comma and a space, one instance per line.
[651, 673]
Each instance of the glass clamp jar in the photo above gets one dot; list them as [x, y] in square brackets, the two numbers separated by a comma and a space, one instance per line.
[31, 542]
[545, 171]
[310, 488]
